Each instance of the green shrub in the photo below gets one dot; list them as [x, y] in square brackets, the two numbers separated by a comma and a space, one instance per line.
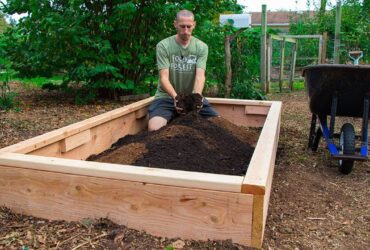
[7, 100]
[7, 97]
[245, 90]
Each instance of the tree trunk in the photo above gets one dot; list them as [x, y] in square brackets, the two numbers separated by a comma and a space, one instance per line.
[229, 73]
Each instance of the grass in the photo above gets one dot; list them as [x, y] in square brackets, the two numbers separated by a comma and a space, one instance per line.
[35, 81]
[40, 81]
[297, 85]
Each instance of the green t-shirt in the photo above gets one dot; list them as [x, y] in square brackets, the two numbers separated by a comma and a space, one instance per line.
[181, 62]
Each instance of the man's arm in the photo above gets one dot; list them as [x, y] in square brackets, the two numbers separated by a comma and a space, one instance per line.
[166, 84]
[200, 78]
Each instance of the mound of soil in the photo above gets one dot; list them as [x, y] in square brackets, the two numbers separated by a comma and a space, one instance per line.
[190, 143]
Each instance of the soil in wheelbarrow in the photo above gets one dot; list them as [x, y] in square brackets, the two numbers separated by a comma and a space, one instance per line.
[189, 143]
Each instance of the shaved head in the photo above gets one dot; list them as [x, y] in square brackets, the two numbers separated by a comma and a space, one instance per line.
[184, 13]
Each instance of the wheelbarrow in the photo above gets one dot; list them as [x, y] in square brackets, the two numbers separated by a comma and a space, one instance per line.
[339, 90]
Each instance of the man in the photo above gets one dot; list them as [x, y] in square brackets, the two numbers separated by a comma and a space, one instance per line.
[181, 63]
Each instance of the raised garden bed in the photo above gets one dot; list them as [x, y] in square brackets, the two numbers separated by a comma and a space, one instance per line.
[47, 176]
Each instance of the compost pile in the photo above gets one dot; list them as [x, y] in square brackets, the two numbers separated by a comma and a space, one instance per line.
[189, 143]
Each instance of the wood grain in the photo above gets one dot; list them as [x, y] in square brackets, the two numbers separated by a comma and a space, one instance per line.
[59, 134]
[74, 141]
[165, 211]
[228, 183]
[236, 114]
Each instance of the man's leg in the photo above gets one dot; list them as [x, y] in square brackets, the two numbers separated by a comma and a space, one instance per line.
[207, 111]
[156, 123]
[161, 111]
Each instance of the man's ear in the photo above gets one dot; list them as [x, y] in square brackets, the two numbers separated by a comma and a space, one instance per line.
[175, 23]
[195, 24]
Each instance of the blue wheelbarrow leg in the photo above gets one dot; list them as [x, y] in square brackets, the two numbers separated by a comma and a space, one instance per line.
[329, 134]
[364, 133]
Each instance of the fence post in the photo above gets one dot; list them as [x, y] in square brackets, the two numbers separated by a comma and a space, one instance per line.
[337, 32]
[263, 48]
[292, 65]
[228, 79]
[324, 42]
[281, 73]
[319, 57]
[269, 63]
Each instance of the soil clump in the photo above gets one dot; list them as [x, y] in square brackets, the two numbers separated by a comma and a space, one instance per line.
[189, 143]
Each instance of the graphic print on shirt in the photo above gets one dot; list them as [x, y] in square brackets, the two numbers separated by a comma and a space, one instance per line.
[183, 64]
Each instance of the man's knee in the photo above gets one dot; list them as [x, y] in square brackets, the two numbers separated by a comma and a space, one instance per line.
[156, 123]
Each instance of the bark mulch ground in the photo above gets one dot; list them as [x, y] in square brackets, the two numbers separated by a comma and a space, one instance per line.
[312, 205]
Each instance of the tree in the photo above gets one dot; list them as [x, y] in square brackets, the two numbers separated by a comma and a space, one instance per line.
[354, 27]
[104, 45]
[3, 24]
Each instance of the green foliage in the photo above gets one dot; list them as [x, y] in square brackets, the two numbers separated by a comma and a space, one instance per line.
[245, 49]
[43, 82]
[103, 45]
[246, 90]
[246, 65]
[7, 97]
[3, 24]
[354, 29]
[85, 96]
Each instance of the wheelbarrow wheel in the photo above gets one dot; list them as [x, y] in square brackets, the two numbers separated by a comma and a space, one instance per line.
[347, 147]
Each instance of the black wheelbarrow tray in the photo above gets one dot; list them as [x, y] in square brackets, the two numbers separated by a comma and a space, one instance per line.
[339, 90]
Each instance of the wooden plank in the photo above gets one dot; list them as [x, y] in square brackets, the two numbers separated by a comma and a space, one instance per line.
[256, 110]
[75, 141]
[269, 62]
[236, 114]
[53, 150]
[232, 102]
[277, 37]
[257, 221]
[141, 113]
[281, 69]
[283, 38]
[302, 36]
[59, 134]
[126, 98]
[227, 183]
[263, 48]
[258, 179]
[324, 46]
[41, 141]
[102, 138]
[292, 66]
[319, 59]
[263, 159]
[338, 21]
[165, 211]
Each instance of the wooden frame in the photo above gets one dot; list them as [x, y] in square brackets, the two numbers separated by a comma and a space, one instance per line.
[46, 177]
[294, 40]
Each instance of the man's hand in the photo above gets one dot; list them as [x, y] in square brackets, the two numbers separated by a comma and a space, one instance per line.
[179, 104]
[198, 101]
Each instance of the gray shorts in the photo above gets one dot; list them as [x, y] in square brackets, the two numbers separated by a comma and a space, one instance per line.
[164, 107]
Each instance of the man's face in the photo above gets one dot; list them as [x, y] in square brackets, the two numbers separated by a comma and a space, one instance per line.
[184, 27]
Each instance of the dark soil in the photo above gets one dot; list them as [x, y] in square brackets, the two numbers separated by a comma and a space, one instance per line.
[312, 205]
[188, 103]
[189, 142]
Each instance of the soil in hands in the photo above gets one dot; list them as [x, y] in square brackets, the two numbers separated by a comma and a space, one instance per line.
[189, 143]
